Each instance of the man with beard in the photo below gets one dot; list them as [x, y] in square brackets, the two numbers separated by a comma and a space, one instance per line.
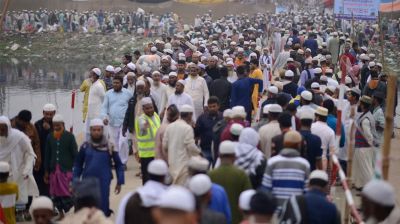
[16, 150]
[180, 98]
[43, 128]
[97, 92]
[197, 89]
[204, 127]
[93, 160]
[113, 112]
[212, 68]
[60, 153]
[159, 93]
[172, 78]
[181, 72]
[165, 65]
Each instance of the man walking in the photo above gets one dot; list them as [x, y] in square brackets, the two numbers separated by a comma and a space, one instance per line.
[95, 99]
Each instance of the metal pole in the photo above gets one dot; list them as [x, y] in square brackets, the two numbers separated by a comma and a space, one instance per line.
[3, 13]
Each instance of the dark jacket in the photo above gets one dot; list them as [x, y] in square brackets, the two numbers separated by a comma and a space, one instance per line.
[221, 88]
[290, 88]
[129, 119]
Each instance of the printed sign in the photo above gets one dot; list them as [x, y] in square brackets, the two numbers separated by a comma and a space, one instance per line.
[357, 9]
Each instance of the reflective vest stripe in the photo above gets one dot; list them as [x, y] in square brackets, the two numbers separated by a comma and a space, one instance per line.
[146, 143]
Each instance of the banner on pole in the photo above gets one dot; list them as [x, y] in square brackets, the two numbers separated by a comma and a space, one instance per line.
[357, 9]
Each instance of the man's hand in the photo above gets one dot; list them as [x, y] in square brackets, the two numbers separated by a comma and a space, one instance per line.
[117, 189]
[46, 126]
[137, 156]
[105, 121]
[38, 162]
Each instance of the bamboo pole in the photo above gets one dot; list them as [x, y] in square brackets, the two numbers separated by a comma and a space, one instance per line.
[349, 173]
[388, 131]
[3, 13]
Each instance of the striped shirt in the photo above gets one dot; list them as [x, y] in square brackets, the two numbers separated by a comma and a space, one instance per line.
[286, 175]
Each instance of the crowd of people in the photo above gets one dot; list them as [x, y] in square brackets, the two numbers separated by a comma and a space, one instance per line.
[231, 122]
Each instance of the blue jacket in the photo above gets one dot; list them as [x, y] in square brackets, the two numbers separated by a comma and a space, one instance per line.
[242, 90]
[219, 202]
[331, 121]
[115, 105]
[319, 209]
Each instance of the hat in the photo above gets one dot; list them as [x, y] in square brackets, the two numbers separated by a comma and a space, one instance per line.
[307, 114]
[348, 80]
[308, 50]
[181, 81]
[140, 83]
[227, 113]
[371, 64]
[308, 61]
[331, 88]
[364, 48]
[289, 74]
[117, 69]
[275, 108]
[4, 167]
[177, 197]
[380, 192]
[41, 202]
[273, 89]
[238, 111]
[198, 163]
[244, 199]
[319, 174]
[315, 58]
[155, 73]
[366, 99]
[58, 118]
[379, 65]
[230, 63]
[292, 137]
[200, 184]
[48, 107]
[306, 95]
[315, 85]
[145, 101]
[158, 167]
[322, 111]
[172, 74]
[131, 66]
[109, 68]
[317, 70]
[289, 60]
[300, 51]
[324, 78]
[186, 109]
[266, 108]
[227, 147]
[168, 51]
[329, 70]
[323, 44]
[96, 122]
[153, 49]
[96, 71]
[130, 74]
[236, 129]
[356, 91]
[321, 59]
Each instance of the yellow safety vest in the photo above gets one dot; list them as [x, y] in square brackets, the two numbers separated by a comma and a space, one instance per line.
[146, 140]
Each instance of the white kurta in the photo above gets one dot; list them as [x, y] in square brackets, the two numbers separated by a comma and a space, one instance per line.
[266, 67]
[95, 100]
[281, 61]
[180, 100]
[267, 132]
[179, 144]
[160, 96]
[18, 152]
[197, 88]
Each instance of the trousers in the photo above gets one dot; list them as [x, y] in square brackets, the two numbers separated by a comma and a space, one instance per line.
[120, 143]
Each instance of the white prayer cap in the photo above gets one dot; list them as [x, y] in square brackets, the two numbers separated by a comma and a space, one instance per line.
[233, 43]
[331, 88]
[315, 58]
[131, 66]
[275, 108]
[379, 65]
[289, 74]
[181, 81]
[48, 107]
[292, 137]
[130, 74]
[319, 174]
[364, 48]
[230, 63]
[246, 43]
[322, 111]
[186, 109]
[321, 59]
[200, 184]
[153, 49]
[289, 60]
[347, 80]
[323, 44]
[308, 61]
[371, 64]
[41, 202]
[140, 83]
[117, 69]
[300, 51]
[306, 95]
[198, 163]
[156, 73]
[172, 74]
[329, 70]
[328, 56]
[4, 167]
[168, 51]
[227, 147]
[227, 113]
[356, 90]
[334, 34]
[240, 50]
[238, 111]
[307, 114]
[165, 57]
[58, 118]
[266, 108]
[317, 70]
[236, 129]
[96, 71]
[110, 68]
[158, 167]
[371, 55]
[323, 78]
[380, 192]
[308, 50]
[315, 85]
[177, 197]
[96, 122]
[273, 89]
[364, 57]
[145, 101]
[244, 199]
[165, 78]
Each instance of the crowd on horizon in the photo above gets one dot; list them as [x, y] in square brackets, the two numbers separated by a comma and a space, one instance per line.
[231, 120]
